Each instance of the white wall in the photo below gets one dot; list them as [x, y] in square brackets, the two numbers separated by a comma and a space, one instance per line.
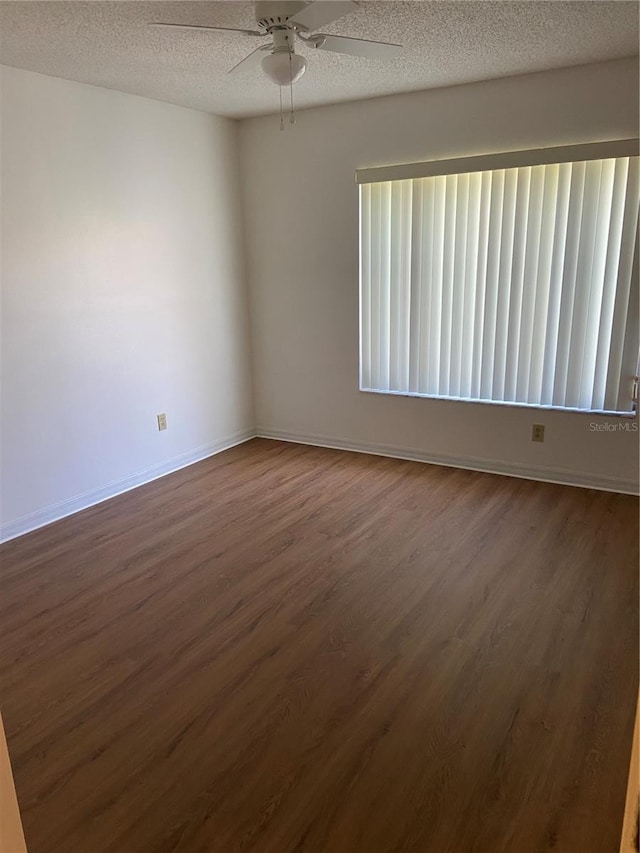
[301, 215]
[123, 282]
[123, 293]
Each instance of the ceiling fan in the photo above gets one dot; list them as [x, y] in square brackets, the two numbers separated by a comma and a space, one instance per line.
[283, 22]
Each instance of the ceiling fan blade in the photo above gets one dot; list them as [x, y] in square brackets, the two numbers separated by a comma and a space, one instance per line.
[253, 60]
[360, 47]
[322, 12]
[202, 27]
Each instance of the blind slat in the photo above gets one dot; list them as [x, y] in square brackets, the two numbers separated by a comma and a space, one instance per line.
[494, 253]
[531, 283]
[523, 190]
[432, 323]
[374, 297]
[458, 282]
[365, 287]
[542, 301]
[427, 208]
[627, 276]
[559, 251]
[596, 284]
[470, 284]
[416, 284]
[404, 320]
[568, 285]
[504, 284]
[612, 266]
[593, 175]
[448, 278]
[482, 274]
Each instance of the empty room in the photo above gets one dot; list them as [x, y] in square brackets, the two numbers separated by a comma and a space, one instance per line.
[319, 434]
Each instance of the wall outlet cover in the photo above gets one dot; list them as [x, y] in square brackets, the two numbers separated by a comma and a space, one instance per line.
[537, 432]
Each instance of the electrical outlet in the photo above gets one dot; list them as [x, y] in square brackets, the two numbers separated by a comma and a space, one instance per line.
[162, 421]
[537, 432]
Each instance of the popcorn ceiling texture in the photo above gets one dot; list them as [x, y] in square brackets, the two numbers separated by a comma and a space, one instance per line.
[109, 44]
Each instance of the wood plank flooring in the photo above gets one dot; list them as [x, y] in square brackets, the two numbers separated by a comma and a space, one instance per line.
[285, 649]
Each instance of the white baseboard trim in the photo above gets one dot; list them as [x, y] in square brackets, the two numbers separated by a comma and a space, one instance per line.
[55, 512]
[489, 466]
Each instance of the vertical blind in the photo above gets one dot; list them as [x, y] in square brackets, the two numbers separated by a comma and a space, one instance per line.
[514, 285]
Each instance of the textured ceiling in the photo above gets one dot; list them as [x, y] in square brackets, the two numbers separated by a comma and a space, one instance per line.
[109, 44]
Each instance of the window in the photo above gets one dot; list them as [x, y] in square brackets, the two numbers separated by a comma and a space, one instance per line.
[506, 279]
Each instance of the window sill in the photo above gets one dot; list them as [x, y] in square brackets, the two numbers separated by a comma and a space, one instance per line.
[532, 406]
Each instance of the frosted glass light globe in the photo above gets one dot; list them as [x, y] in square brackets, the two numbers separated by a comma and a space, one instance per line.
[284, 68]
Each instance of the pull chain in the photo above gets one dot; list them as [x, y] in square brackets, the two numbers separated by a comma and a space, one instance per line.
[292, 119]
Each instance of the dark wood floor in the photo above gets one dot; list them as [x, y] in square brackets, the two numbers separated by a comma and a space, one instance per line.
[285, 649]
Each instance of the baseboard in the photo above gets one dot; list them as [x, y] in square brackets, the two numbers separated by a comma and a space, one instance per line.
[55, 512]
[489, 466]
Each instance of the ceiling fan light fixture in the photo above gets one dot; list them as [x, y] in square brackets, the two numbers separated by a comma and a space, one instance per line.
[284, 68]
